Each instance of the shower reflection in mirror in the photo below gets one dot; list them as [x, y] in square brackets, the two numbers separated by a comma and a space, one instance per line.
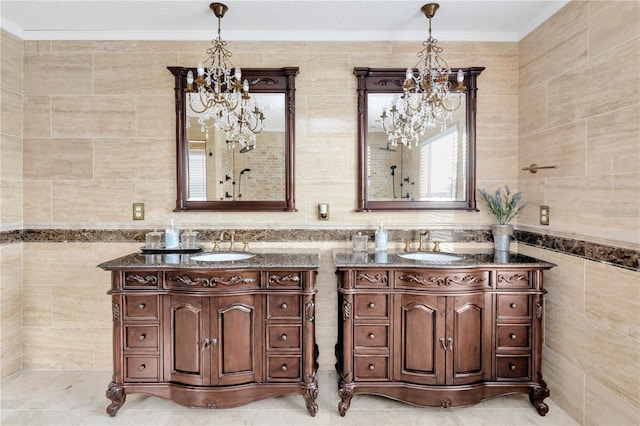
[220, 170]
[430, 170]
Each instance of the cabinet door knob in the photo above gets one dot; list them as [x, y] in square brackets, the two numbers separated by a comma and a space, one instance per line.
[512, 336]
[142, 336]
[371, 305]
[284, 367]
[512, 367]
[513, 306]
[141, 367]
[142, 306]
[283, 337]
[283, 306]
[372, 336]
[372, 367]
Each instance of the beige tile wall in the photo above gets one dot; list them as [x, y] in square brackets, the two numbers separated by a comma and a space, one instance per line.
[579, 110]
[10, 203]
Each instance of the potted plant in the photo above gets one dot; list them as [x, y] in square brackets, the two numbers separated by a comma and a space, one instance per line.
[505, 208]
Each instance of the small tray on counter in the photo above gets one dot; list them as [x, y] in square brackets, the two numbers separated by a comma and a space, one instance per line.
[164, 250]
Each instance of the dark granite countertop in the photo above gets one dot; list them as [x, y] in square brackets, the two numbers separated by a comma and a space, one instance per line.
[346, 258]
[300, 259]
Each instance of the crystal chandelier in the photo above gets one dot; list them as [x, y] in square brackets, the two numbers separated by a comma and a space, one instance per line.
[221, 99]
[426, 100]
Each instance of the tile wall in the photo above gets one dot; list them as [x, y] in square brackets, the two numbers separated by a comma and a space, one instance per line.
[579, 108]
[95, 143]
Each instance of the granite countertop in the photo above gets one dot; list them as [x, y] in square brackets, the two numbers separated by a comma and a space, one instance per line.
[347, 258]
[302, 259]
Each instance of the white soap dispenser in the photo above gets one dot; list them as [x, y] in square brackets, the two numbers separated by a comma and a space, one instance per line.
[172, 237]
[382, 238]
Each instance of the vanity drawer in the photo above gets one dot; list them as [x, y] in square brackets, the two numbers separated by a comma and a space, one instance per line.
[433, 279]
[284, 368]
[372, 279]
[513, 305]
[284, 336]
[371, 367]
[371, 306]
[141, 280]
[283, 306]
[213, 280]
[141, 307]
[513, 367]
[513, 336]
[141, 337]
[284, 279]
[371, 336]
[513, 279]
[141, 368]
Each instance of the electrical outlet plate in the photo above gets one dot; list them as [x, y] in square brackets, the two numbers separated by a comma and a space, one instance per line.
[138, 211]
[544, 215]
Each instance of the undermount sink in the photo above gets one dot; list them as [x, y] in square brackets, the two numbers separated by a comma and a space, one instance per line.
[222, 256]
[430, 256]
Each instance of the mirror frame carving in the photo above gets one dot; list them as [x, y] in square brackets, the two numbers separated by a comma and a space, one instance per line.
[261, 80]
[390, 80]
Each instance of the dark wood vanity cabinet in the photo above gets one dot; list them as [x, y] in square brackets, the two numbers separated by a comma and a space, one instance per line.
[440, 336]
[213, 338]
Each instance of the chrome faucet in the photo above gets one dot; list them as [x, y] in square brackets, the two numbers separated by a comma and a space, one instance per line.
[426, 233]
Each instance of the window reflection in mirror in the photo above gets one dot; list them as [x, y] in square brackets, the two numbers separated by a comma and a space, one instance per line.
[433, 169]
[436, 172]
[219, 170]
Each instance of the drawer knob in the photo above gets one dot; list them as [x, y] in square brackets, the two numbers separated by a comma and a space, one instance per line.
[512, 367]
[371, 305]
[512, 336]
[284, 367]
[283, 337]
[513, 306]
[372, 367]
[283, 306]
[142, 306]
[142, 336]
[372, 336]
[142, 367]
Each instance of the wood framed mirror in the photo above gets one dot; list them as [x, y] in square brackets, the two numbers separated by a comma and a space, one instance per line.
[214, 175]
[436, 173]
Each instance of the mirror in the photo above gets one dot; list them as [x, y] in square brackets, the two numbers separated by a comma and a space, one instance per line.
[437, 173]
[216, 175]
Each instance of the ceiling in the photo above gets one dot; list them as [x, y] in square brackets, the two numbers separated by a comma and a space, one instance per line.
[473, 20]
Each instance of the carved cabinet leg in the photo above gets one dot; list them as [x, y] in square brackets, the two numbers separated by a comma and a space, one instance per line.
[117, 396]
[310, 395]
[536, 397]
[345, 395]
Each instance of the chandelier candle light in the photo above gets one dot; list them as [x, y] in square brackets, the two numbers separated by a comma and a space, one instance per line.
[426, 100]
[221, 98]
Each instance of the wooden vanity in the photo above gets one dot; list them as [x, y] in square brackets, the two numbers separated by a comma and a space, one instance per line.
[442, 334]
[213, 334]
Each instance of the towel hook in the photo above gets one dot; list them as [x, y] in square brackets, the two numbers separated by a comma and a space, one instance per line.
[533, 168]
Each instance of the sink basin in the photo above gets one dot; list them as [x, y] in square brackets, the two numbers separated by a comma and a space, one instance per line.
[222, 257]
[430, 256]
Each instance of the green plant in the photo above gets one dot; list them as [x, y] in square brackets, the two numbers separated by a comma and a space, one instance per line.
[504, 208]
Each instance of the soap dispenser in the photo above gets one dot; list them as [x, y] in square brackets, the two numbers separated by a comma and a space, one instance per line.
[172, 237]
[382, 238]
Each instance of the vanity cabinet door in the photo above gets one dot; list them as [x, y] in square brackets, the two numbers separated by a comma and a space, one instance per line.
[213, 340]
[420, 357]
[443, 339]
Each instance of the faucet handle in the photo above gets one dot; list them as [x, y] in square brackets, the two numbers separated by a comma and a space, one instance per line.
[407, 246]
[245, 245]
[436, 246]
[216, 245]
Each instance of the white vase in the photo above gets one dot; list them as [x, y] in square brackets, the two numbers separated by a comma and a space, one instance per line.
[502, 237]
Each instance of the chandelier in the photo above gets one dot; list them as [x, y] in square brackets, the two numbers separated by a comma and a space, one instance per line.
[427, 100]
[221, 99]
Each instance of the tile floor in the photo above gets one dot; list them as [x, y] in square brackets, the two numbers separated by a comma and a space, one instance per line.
[78, 398]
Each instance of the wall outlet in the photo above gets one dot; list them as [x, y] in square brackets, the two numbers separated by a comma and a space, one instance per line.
[544, 215]
[138, 211]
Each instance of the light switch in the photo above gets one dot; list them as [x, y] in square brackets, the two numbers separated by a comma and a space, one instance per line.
[138, 211]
